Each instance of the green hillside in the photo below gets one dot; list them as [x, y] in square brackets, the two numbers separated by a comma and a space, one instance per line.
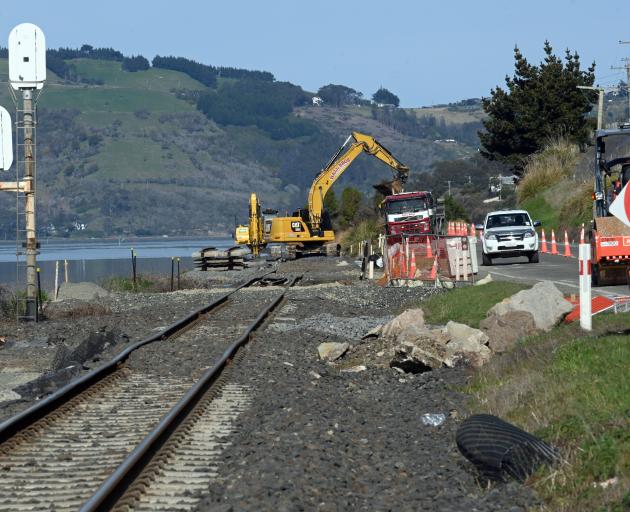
[128, 152]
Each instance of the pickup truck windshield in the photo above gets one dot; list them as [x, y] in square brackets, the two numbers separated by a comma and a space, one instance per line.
[504, 220]
[407, 205]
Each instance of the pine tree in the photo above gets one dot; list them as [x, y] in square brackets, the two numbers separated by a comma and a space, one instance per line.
[539, 103]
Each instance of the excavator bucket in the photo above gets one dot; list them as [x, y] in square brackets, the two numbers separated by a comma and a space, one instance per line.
[387, 188]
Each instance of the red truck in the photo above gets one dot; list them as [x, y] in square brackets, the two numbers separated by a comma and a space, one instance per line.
[414, 213]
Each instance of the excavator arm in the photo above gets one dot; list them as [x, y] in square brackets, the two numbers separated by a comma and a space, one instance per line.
[358, 143]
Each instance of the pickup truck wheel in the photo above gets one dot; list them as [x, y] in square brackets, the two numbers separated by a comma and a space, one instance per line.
[486, 260]
[534, 257]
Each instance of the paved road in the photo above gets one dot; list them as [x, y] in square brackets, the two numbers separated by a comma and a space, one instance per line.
[562, 271]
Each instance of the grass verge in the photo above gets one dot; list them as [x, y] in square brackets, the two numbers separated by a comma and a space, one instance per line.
[467, 305]
[572, 390]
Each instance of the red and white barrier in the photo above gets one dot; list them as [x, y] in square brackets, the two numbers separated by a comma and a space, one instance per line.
[585, 287]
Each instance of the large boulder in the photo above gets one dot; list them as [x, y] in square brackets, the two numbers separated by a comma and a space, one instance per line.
[81, 291]
[505, 330]
[544, 301]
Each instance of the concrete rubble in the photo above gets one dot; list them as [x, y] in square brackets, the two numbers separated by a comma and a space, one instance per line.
[417, 347]
[330, 351]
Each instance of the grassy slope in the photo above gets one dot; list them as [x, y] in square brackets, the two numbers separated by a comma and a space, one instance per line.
[565, 386]
[215, 168]
[153, 79]
[468, 305]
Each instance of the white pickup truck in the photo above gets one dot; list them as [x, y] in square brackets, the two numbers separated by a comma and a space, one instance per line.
[507, 234]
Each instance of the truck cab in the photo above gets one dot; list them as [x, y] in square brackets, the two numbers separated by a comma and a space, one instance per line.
[409, 213]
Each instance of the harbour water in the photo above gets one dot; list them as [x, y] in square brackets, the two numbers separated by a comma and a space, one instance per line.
[98, 260]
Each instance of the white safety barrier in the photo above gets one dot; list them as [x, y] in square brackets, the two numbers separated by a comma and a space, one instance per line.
[585, 287]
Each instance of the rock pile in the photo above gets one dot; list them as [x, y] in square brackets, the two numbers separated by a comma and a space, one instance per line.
[417, 347]
[408, 343]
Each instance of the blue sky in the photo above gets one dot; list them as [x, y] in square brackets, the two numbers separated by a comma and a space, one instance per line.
[427, 52]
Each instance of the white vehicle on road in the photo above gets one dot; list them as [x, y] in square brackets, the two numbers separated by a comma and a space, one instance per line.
[507, 234]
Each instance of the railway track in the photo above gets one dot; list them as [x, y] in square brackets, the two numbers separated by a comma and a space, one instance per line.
[143, 432]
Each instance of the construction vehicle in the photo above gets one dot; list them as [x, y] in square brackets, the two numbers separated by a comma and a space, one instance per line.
[309, 230]
[609, 237]
[414, 213]
[252, 235]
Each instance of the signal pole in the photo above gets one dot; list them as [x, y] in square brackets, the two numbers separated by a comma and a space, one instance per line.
[27, 74]
[29, 208]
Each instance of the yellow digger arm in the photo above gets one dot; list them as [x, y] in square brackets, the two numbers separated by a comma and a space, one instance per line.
[338, 165]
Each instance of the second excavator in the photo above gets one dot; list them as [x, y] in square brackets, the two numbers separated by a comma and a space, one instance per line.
[309, 230]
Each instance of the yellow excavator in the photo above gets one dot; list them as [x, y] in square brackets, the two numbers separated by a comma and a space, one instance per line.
[309, 231]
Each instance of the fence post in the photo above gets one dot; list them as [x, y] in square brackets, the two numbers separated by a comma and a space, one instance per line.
[56, 294]
[586, 320]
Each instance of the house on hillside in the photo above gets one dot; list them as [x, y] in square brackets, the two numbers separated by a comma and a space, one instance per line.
[317, 101]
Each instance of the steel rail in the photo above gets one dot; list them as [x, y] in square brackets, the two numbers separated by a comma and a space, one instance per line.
[22, 420]
[114, 487]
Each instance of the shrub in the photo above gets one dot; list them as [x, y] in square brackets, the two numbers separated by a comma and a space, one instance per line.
[368, 229]
[578, 208]
[547, 167]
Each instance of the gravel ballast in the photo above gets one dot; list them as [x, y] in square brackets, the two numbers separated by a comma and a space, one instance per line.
[316, 435]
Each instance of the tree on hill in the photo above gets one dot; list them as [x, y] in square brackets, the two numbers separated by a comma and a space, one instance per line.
[453, 210]
[539, 102]
[207, 75]
[385, 97]
[339, 95]
[135, 63]
[267, 105]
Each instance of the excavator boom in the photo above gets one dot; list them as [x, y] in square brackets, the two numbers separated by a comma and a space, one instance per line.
[358, 143]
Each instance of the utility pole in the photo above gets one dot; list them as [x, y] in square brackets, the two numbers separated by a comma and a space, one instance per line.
[600, 103]
[449, 186]
[626, 66]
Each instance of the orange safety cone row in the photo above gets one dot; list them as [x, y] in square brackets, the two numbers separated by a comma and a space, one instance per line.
[412, 265]
[567, 246]
[554, 246]
[543, 243]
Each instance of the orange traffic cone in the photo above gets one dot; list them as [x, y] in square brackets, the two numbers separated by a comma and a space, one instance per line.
[433, 274]
[403, 264]
[543, 243]
[472, 231]
[554, 246]
[582, 234]
[412, 265]
[567, 246]
[429, 249]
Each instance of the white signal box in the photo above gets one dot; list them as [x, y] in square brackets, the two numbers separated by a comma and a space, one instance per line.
[27, 57]
[6, 140]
